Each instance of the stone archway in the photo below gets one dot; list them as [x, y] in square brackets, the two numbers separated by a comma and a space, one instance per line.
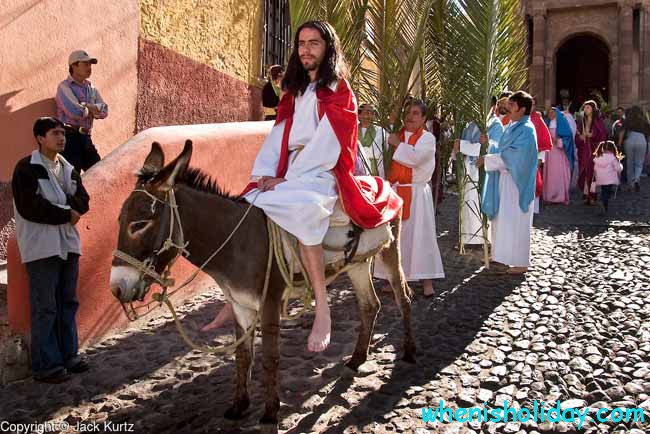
[582, 66]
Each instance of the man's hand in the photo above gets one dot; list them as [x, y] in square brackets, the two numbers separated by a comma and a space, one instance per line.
[457, 145]
[267, 183]
[393, 140]
[74, 217]
[483, 140]
[480, 162]
[93, 109]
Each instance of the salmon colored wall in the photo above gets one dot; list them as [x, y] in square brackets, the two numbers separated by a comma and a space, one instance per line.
[226, 151]
[36, 38]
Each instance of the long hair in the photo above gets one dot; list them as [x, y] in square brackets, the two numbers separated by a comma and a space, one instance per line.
[635, 120]
[610, 146]
[332, 68]
[594, 106]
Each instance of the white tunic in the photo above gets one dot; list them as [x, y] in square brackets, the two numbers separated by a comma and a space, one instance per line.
[376, 151]
[472, 217]
[303, 203]
[511, 228]
[418, 243]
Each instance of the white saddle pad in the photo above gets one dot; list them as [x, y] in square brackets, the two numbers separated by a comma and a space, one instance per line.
[370, 242]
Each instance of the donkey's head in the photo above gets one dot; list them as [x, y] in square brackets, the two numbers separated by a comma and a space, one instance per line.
[145, 246]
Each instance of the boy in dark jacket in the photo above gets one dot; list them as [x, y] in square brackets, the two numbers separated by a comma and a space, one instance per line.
[49, 199]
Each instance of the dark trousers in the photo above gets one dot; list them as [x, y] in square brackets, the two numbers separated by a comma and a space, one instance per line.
[53, 307]
[605, 193]
[80, 151]
[269, 117]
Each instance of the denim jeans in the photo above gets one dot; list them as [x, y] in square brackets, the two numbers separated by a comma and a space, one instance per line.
[53, 307]
[635, 149]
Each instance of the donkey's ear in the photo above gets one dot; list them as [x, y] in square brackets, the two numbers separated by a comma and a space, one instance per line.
[166, 178]
[155, 160]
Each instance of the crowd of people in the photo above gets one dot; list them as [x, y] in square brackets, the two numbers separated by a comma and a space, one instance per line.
[321, 150]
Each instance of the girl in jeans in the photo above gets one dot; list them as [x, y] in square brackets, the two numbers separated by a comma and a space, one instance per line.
[607, 168]
[633, 136]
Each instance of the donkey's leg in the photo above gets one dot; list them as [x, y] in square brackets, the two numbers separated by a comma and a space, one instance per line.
[392, 259]
[243, 359]
[271, 356]
[368, 308]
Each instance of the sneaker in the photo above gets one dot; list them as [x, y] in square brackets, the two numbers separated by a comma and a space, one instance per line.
[80, 367]
[57, 378]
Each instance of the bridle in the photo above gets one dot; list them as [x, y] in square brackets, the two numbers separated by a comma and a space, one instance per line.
[147, 268]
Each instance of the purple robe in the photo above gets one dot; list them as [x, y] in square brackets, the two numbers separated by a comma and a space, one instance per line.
[586, 149]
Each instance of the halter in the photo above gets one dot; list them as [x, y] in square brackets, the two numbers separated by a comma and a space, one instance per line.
[148, 266]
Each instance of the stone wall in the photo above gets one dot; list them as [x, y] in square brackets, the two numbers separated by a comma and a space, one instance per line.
[199, 62]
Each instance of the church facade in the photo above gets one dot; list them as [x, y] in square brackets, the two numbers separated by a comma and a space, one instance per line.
[586, 49]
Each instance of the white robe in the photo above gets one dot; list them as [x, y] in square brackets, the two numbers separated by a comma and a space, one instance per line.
[303, 203]
[418, 243]
[472, 217]
[511, 228]
[376, 151]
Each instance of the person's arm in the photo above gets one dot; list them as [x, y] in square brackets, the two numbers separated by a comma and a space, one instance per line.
[67, 102]
[102, 107]
[80, 199]
[31, 205]
[413, 156]
[268, 157]
[621, 137]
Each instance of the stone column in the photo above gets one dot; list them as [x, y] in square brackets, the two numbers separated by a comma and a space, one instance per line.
[645, 56]
[539, 51]
[625, 51]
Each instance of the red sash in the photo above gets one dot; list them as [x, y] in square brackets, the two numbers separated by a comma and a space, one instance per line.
[402, 174]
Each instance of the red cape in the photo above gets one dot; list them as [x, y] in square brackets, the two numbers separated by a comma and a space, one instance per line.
[368, 200]
[543, 134]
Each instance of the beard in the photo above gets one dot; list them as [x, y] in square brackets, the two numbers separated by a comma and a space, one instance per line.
[503, 111]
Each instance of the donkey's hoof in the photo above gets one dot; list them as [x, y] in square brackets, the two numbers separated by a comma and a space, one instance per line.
[237, 411]
[409, 357]
[348, 371]
[268, 427]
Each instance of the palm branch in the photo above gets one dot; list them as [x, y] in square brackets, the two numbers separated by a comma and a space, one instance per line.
[486, 39]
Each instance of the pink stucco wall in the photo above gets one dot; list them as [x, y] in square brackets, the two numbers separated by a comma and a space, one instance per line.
[226, 151]
[36, 38]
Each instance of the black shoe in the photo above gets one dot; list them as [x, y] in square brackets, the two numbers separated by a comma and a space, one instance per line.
[80, 367]
[57, 378]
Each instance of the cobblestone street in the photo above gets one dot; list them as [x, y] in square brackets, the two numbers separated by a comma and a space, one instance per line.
[575, 329]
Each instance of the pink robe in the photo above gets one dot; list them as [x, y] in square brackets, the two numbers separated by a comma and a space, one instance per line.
[557, 173]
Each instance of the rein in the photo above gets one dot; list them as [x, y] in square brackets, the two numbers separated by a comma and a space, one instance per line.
[147, 267]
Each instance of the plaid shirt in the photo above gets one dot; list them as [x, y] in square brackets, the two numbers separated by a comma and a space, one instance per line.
[71, 99]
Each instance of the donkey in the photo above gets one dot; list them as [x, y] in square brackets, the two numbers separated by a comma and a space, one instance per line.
[207, 217]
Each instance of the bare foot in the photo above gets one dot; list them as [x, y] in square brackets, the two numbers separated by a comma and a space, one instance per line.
[517, 270]
[319, 338]
[224, 316]
[427, 284]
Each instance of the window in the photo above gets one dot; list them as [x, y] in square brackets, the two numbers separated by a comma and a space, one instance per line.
[277, 33]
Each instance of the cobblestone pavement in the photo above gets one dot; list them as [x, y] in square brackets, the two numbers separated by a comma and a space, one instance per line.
[576, 329]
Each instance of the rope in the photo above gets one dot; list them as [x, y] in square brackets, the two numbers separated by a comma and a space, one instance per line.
[230, 348]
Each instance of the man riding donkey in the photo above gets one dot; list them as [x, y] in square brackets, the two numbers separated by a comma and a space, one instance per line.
[306, 164]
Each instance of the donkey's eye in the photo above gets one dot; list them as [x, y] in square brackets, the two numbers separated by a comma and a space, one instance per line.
[138, 226]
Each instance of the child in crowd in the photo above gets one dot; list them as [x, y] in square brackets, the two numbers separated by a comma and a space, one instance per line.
[607, 168]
